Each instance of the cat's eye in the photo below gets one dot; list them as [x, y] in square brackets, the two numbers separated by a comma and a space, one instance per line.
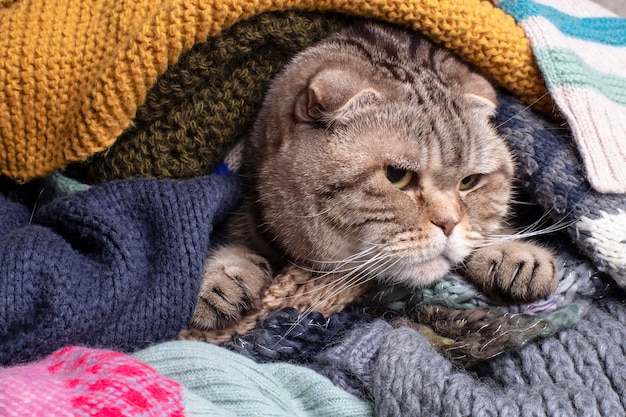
[469, 182]
[399, 177]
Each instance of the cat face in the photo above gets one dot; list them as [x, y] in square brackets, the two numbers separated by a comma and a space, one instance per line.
[362, 175]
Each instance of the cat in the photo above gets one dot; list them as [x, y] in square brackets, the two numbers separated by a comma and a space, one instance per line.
[374, 153]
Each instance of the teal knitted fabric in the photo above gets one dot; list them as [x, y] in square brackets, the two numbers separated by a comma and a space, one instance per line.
[579, 47]
[221, 383]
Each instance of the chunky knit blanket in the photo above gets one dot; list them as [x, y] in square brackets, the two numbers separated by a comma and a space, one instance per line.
[110, 91]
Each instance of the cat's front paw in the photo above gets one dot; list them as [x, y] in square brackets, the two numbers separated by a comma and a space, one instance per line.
[233, 281]
[514, 270]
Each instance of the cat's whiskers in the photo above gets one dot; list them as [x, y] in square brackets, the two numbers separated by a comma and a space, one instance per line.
[361, 268]
[537, 100]
[527, 232]
[534, 230]
[360, 275]
[365, 268]
[338, 265]
[367, 272]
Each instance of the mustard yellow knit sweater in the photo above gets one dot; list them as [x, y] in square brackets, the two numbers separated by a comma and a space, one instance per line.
[73, 72]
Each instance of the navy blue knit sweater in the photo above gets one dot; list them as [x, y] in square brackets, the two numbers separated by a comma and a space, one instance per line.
[115, 266]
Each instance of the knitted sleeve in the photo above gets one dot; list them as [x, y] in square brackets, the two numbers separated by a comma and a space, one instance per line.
[115, 266]
[223, 383]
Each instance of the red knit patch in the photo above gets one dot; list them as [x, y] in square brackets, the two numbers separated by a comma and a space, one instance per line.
[106, 383]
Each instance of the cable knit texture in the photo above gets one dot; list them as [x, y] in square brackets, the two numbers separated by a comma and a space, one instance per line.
[75, 72]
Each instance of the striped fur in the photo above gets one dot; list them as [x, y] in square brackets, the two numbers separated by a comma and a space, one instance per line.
[337, 124]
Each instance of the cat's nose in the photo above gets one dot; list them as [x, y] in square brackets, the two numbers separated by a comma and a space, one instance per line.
[447, 226]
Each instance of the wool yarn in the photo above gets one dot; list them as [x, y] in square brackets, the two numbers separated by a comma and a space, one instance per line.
[550, 170]
[88, 382]
[464, 324]
[207, 100]
[173, 379]
[579, 372]
[74, 97]
[466, 329]
[117, 265]
[579, 47]
[292, 288]
[221, 383]
[286, 335]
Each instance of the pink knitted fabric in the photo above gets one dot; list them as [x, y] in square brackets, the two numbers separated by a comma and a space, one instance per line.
[88, 382]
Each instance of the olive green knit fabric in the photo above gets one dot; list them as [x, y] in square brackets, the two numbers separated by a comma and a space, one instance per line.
[207, 99]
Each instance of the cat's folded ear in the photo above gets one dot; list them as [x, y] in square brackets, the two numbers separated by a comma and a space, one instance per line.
[332, 92]
[480, 92]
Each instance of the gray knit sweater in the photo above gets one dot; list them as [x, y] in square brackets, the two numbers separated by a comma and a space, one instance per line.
[579, 372]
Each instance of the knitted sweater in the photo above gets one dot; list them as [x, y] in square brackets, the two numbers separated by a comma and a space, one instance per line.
[123, 259]
[169, 380]
[578, 373]
[579, 47]
[114, 266]
[78, 381]
[74, 73]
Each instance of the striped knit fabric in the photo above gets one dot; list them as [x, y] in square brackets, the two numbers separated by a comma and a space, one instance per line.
[580, 48]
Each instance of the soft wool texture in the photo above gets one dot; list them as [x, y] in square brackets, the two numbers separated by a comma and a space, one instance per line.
[85, 382]
[207, 100]
[74, 97]
[580, 48]
[460, 322]
[294, 288]
[550, 170]
[221, 383]
[172, 379]
[580, 372]
[116, 266]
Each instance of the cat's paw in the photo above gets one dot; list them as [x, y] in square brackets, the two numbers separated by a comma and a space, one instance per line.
[233, 281]
[514, 270]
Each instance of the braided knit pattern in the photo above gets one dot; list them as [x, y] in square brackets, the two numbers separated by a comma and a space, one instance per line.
[292, 288]
[74, 72]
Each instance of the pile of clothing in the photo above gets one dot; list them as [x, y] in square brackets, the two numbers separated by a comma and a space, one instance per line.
[119, 152]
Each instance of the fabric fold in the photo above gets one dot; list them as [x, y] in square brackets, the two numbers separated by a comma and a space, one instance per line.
[114, 266]
[77, 96]
[581, 50]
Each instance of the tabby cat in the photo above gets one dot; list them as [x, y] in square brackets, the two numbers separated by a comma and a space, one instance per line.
[373, 153]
